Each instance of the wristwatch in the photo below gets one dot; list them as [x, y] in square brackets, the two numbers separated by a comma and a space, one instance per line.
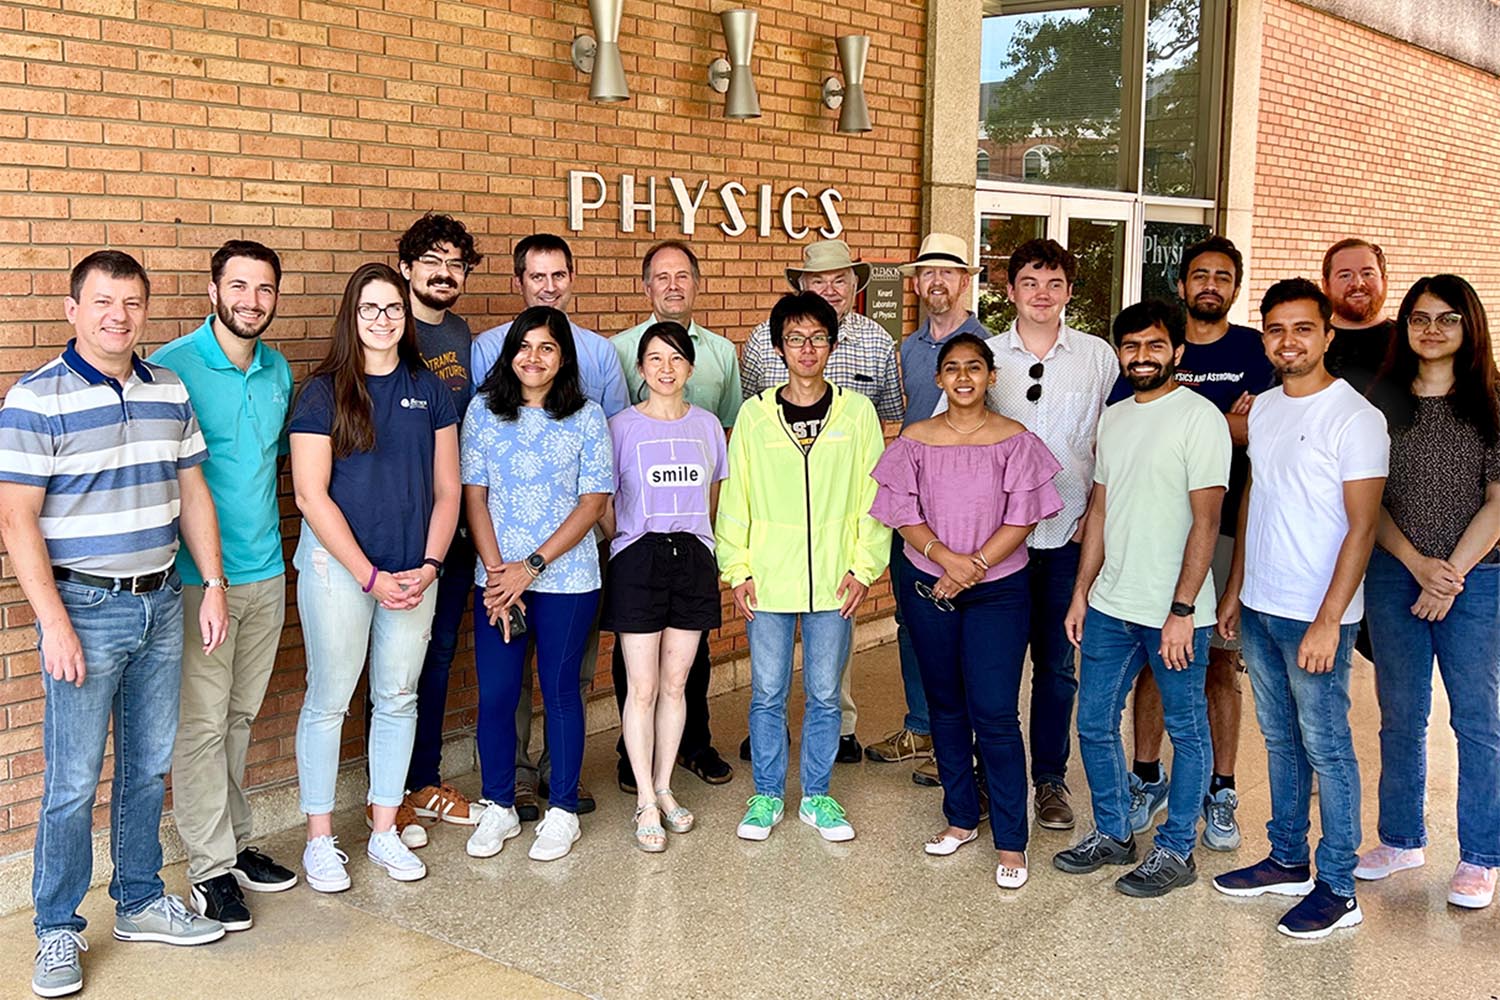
[222, 582]
[536, 563]
[1182, 609]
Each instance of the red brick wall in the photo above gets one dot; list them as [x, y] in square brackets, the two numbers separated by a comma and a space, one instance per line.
[1363, 135]
[324, 129]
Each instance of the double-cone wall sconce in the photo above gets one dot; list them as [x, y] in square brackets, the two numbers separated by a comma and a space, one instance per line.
[732, 76]
[849, 97]
[601, 59]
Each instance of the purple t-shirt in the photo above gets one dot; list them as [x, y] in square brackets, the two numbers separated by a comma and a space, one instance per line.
[664, 470]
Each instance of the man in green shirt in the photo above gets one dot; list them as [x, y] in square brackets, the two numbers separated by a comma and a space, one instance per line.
[670, 278]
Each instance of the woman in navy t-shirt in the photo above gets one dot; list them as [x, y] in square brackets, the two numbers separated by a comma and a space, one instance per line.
[375, 469]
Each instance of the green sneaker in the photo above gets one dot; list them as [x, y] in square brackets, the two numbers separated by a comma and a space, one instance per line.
[827, 817]
[764, 813]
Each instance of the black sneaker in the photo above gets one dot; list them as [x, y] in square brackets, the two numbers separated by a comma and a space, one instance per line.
[850, 752]
[1094, 852]
[708, 765]
[256, 872]
[625, 776]
[1266, 876]
[1159, 874]
[1321, 913]
[586, 803]
[219, 898]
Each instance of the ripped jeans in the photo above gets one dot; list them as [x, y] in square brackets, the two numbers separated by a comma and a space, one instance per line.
[340, 624]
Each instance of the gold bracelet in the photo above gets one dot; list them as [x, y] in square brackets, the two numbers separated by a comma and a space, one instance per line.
[928, 548]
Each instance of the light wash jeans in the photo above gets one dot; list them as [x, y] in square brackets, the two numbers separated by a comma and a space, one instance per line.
[1305, 720]
[340, 624]
[132, 651]
[826, 637]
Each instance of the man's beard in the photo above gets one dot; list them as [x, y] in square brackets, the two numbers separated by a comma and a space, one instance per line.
[425, 296]
[1346, 311]
[1157, 379]
[234, 326]
[1204, 313]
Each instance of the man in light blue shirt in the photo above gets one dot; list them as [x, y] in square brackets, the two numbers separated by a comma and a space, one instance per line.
[544, 277]
[241, 390]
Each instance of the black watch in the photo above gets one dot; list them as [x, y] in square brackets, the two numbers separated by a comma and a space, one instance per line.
[1182, 609]
[536, 563]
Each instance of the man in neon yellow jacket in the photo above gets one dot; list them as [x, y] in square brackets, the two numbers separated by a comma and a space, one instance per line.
[796, 541]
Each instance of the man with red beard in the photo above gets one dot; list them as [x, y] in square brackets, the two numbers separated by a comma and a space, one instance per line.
[1354, 281]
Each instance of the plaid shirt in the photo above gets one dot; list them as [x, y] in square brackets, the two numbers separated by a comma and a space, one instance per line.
[863, 361]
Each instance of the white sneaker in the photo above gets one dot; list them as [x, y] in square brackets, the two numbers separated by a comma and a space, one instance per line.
[497, 824]
[1385, 861]
[324, 864]
[387, 851]
[555, 835]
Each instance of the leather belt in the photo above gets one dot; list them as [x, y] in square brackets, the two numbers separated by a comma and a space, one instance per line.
[132, 584]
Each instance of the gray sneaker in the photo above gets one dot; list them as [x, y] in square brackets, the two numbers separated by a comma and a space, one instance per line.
[1220, 831]
[1159, 874]
[168, 922]
[58, 970]
[1094, 852]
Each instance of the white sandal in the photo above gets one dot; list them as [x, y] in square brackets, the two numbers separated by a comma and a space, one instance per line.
[943, 845]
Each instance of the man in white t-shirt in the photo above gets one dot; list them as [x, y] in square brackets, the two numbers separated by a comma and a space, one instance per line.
[1318, 459]
[1145, 593]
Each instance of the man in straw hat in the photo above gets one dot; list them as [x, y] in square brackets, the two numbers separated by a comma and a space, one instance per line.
[940, 276]
[863, 362]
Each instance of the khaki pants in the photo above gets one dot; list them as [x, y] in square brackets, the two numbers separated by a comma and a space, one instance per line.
[221, 695]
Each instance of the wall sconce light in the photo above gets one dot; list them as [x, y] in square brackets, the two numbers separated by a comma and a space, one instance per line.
[849, 96]
[732, 75]
[601, 59]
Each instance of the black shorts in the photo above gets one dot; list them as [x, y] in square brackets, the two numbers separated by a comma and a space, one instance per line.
[662, 581]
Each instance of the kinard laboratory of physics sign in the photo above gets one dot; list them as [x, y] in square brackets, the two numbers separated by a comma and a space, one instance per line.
[733, 207]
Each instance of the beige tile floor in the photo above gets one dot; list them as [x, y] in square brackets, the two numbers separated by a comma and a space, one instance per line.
[795, 917]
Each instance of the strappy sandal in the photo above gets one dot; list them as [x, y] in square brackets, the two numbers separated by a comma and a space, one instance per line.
[677, 819]
[649, 837]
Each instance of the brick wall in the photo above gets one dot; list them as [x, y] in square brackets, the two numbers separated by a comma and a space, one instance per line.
[1363, 135]
[324, 129]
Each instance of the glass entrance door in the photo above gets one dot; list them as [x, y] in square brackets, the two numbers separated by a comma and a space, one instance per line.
[1100, 232]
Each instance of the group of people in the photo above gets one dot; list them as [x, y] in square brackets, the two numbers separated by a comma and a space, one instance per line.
[1200, 498]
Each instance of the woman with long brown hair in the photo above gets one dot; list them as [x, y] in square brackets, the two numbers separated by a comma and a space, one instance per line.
[374, 444]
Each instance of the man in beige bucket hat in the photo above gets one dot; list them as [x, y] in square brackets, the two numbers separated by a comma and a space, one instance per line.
[863, 361]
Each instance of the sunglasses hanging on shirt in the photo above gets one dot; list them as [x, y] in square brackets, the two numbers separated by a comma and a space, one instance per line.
[1034, 392]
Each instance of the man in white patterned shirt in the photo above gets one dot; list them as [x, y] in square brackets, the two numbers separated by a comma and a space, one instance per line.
[864, 361]
[1054, 379]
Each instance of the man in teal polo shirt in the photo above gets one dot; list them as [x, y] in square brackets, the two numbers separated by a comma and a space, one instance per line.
[670, 276]
[241, 390]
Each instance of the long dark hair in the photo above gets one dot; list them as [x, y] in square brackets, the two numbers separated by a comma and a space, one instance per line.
[344, 364]
[1474, 376]
[501, 389]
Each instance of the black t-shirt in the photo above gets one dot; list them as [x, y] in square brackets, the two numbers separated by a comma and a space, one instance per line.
[805, 422]
[1356, 355]
[385, 493]
[445, 347]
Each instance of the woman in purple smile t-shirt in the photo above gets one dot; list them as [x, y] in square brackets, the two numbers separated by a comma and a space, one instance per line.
[662, 589]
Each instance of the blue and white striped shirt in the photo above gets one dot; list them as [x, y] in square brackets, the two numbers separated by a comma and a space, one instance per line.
[108, 454]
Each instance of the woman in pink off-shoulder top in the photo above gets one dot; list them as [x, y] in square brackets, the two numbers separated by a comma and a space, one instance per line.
[964, 489]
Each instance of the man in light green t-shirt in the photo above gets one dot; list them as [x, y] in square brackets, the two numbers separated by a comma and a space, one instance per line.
[670, 278]
[1144, 594]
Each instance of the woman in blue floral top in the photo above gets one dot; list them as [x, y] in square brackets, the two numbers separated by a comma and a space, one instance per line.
[537, 468]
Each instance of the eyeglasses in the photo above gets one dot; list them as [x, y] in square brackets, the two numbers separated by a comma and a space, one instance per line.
[1034, 393]
[943, 604]
[1446, 322]
[797, 341]
[395, 312]
[456, 266]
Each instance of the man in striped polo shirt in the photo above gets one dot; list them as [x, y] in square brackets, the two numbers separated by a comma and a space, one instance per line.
[100, 457]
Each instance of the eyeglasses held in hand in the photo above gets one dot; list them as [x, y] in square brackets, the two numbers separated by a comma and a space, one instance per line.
[1446, 322]
[395, 312]
[799, 341]
[943, 604]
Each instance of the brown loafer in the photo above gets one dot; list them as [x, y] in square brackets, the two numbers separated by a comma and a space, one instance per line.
[926, 774]
[1052, 809]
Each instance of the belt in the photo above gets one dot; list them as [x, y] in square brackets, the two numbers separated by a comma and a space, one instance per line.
[134, 584]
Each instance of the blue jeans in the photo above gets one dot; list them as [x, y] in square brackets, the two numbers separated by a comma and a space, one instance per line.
[971, 661]
[1113, 653]
[917, 719]
[1467, 646]
[1305, 720]
[341, 624]
[1054, 679]
[132, 651]
[453, 593]
[559, 625]
[826, 636]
